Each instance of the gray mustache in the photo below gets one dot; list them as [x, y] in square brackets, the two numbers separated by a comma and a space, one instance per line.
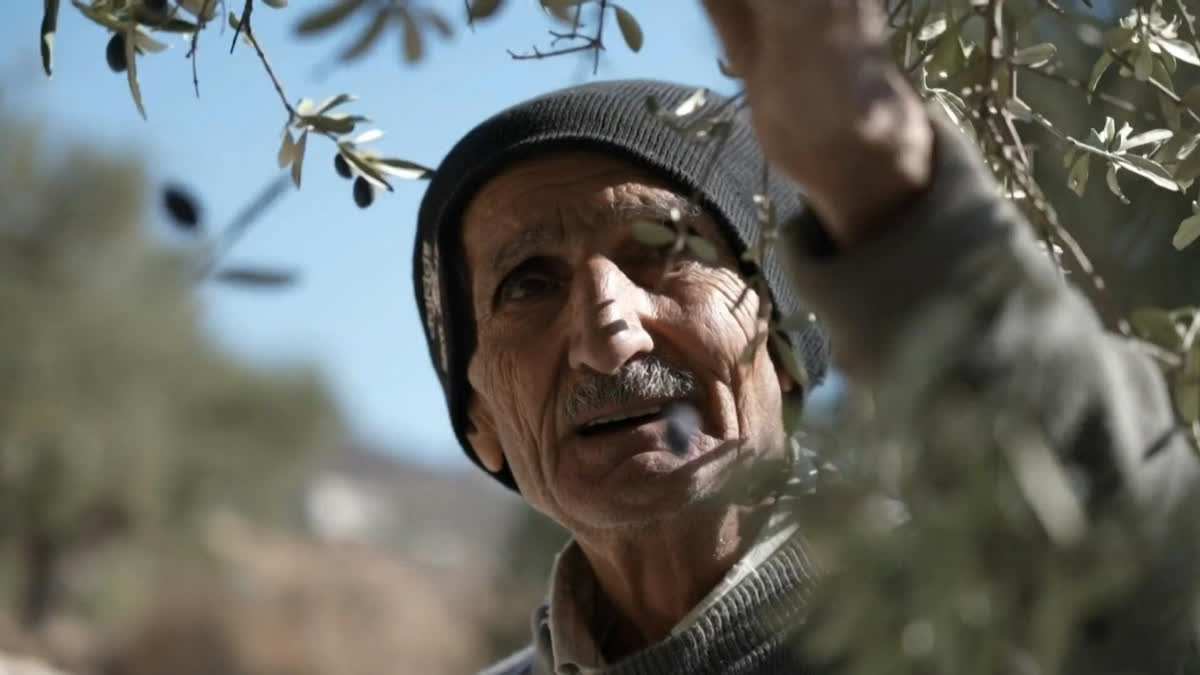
[646, 378]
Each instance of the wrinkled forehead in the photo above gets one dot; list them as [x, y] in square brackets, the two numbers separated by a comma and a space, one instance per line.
[544, 199]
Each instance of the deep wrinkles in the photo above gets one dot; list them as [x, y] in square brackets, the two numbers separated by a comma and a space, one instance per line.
[645, 379]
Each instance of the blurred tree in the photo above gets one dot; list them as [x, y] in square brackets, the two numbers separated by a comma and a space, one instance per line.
[117, 418]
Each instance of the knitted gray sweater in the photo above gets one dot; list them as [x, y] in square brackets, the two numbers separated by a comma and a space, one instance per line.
[1102, 402]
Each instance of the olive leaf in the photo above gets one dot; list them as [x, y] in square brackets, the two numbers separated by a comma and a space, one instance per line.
[1188, 232]
[1037, 55]
[652, 233]
[203, 10]
[1187, 386]
[256, 277]
[368, 136]
[286, 149]
[440, 24]
[1158, 326]
[414, 47]
[787, 358]
[1098, 70]
[333, 102]
[365, 168]
[692, 103]
[48, 30]
[1192, 99]
[1110, 178]
[368, 38]
[276, 4]
[328, 17]
[1148, 169]
[1077, 179]
[630, 30]
[131, 70]
[703, 249]
[298, 158]
[482, 9]
[402, 168]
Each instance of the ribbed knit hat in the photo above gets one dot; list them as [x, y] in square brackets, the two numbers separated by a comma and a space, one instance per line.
[612, 118]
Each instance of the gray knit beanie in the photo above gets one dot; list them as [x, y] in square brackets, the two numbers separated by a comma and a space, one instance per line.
[610, 118]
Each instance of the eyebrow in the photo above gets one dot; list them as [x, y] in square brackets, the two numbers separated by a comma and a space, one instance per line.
[529, 238]
[659, 208]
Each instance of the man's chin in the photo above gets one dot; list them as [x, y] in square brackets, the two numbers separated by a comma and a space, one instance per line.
[652, 485]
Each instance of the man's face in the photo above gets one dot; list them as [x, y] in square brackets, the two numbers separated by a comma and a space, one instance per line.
[584, 334]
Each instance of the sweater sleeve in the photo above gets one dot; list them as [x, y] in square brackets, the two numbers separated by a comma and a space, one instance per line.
[1018, 329]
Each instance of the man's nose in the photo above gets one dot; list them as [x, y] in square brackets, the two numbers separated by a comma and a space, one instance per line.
[606, 322]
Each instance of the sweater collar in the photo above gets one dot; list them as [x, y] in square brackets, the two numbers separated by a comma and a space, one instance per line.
[579, 619]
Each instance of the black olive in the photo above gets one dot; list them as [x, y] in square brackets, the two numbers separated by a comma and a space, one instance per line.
[342, 166]
[181, 207]
[364, 192]
[115, 53]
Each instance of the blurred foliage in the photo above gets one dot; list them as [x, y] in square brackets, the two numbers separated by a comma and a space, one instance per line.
[1087, 112]
[118, 420]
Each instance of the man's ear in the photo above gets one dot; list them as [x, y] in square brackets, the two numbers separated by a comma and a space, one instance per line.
[483, 437]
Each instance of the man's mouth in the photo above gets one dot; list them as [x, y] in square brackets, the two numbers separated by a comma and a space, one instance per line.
[622, 421]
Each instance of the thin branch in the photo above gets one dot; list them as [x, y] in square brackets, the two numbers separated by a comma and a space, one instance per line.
[244, 26]
[244, 23]
[202, 22]
[594, 43]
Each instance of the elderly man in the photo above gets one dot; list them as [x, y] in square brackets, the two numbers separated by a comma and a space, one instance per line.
[563, 342]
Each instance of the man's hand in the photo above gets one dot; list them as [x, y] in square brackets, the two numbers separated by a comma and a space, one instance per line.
[829, 105]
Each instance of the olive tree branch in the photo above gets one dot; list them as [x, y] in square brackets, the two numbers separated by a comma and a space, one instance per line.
[243, 22]
[244, 27]
[201, 24]
[594, 43]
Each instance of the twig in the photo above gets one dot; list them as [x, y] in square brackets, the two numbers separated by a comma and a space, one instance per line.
[245, 27]
[196, 41]
[244, 22]
[591, 42]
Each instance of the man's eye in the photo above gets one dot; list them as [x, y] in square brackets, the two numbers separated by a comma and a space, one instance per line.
[529, 281]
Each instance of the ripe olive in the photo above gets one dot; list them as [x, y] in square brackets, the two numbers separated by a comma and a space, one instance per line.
[364, 192]
[115, 53]
[181, 207]
[342, 166]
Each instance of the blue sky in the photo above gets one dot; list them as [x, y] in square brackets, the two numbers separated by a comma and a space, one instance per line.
[353, 314]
